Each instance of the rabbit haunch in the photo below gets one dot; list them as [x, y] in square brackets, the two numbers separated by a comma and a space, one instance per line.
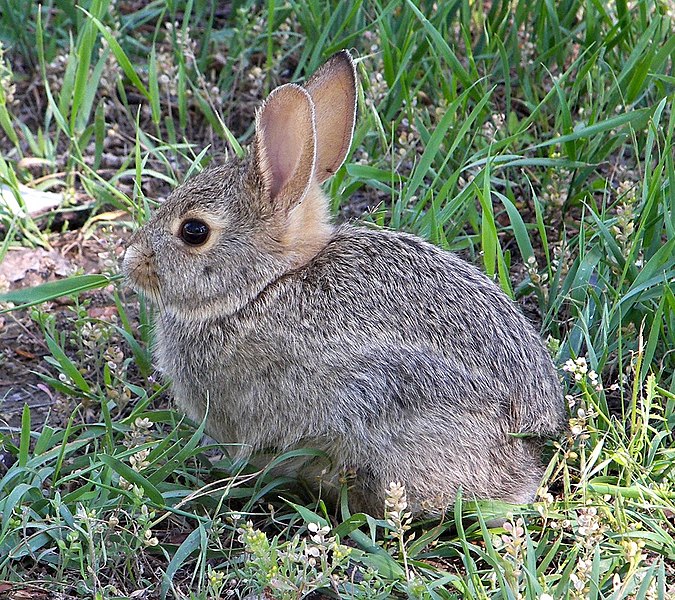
[397, 359]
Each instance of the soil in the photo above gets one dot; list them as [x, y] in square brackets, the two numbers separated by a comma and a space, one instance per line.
[22, 343]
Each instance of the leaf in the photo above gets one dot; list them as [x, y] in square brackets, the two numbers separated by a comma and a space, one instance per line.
[10, 502]
[349, 525]
[518, 226]
[28, 547]
[634, 118]
[181, 456]
[66, 364]
[154, 87]
[24, 444]
[308, 516]
[438, 137]
[121, 57]
[133, 477]
[444, 50]
[376, 557]
[33, 202]
[26, 297]
[191, 544]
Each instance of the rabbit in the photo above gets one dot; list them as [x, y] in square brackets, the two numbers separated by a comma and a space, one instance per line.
[396, 359]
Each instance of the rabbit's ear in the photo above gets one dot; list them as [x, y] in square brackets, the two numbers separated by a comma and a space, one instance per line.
[333, 89]
[285, 145]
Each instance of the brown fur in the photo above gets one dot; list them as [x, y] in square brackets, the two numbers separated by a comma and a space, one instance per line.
[308, 228]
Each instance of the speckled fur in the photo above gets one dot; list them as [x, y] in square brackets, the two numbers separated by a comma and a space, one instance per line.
[399, 360]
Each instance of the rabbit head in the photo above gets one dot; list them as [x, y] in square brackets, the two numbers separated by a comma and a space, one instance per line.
[224, 235]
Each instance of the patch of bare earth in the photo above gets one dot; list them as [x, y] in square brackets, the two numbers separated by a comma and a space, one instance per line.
[22, 343]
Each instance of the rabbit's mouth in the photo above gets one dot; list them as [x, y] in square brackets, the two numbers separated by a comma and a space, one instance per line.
[139, 271]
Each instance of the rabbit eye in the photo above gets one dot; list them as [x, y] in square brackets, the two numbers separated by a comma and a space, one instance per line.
[194, 232]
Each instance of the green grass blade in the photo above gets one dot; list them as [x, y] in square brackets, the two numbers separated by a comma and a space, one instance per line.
[133, 477]
[69, 368]
[120, 55]
[24, 444]
[45, 292]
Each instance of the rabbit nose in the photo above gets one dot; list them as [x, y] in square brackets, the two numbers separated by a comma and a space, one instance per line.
[139, 268]
[137, 256]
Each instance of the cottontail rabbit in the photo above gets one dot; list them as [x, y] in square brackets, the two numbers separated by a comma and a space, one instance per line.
[399, 360]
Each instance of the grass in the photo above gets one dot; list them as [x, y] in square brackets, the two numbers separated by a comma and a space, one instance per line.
[536, 138]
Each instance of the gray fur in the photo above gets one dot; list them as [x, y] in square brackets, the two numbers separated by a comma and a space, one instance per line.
[398, 359]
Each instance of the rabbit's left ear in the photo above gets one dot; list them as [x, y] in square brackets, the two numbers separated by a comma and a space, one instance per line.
[333, 90]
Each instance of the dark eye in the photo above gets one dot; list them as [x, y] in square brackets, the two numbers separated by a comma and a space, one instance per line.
[194, 232]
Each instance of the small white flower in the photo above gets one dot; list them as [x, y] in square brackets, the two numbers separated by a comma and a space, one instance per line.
[579, 584]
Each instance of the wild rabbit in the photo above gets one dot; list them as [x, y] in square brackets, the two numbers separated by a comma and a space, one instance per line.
[399, 360]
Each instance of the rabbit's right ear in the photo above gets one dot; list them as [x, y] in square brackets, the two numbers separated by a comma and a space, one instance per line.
[333, 90]
[285, 145]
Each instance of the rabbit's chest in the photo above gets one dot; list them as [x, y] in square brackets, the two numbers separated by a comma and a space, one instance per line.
[244, 378]
[216, 360]
[196, 354]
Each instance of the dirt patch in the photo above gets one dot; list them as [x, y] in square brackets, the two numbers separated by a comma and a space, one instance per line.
[22, 343]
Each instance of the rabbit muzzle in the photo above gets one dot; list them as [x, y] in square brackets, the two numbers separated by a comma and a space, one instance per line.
[139, 270]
